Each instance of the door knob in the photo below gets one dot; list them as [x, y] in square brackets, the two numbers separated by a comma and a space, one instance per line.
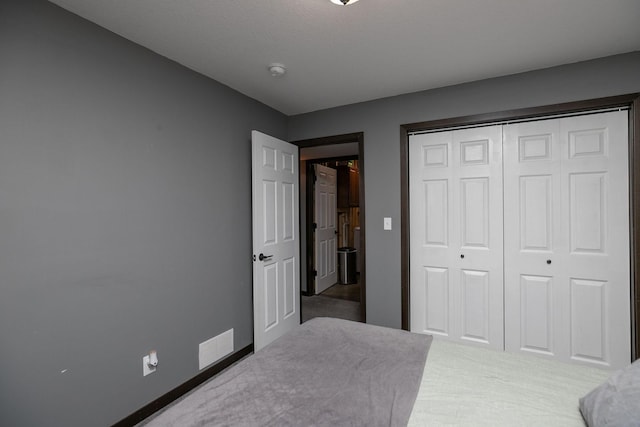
[461, 255]
[548, 261]
[263, 257]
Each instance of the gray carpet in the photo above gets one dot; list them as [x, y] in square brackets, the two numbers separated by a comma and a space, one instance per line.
[322, 306]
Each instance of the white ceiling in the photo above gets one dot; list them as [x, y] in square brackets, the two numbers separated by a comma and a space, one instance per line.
[338, 55]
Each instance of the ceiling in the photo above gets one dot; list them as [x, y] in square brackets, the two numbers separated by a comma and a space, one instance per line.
[338, 55]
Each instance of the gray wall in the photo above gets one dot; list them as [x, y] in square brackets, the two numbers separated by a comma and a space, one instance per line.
[380, 121]
[125, 195]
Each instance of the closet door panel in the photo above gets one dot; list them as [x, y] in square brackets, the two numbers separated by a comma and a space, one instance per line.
[436, 286]
[436, 197]
[536, 202]
[533, 245]
[456, 235]
[430, 212]
[588, 211]
[566, 187]
[475, 320]
[596, 202]
[477, 214]
[536, 306]
[474, 211]
[589, 335]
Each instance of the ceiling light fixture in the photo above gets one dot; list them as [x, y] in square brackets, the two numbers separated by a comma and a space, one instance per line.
[343, 2]
[277, 70]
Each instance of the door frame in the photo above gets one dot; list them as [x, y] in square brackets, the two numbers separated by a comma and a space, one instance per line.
[308, 250]
[631, 101]
[309, 217]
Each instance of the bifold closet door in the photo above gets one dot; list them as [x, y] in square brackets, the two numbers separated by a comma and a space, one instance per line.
[566, 261]
[455, 186]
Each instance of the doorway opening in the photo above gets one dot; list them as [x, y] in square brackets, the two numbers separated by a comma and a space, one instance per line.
[336, 244]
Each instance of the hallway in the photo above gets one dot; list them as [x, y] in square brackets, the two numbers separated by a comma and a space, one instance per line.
[339, 301]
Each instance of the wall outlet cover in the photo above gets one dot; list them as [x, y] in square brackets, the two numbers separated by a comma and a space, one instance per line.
[146, 369]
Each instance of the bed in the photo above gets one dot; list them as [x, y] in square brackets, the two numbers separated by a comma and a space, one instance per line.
[332, 372]
[471, 386]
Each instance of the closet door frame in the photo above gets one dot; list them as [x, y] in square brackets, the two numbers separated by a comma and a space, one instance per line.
[631, 101]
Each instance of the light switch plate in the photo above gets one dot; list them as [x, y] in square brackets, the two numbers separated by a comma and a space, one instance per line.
[387, 223]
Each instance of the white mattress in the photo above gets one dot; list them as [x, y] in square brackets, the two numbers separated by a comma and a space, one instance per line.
[469, 386]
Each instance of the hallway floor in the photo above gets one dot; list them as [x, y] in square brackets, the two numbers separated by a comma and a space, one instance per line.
[347, 292]
[339, 301]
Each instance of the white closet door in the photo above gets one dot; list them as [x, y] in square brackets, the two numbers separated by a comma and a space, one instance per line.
[534, 246]
[456, 235]
[567, 286]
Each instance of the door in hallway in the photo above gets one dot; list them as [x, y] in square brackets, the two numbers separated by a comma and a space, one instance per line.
[325, 236]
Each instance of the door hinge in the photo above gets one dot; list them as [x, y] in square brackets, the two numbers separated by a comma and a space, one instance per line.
[315, 226]
[315, 273]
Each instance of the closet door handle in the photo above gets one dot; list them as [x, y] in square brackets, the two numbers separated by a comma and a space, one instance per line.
[263, 257]
[462, 256]
[548, 261]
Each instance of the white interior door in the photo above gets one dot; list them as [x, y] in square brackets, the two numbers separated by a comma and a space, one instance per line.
[456, 249]
[567, 283]
[325, 236]
[276, 248]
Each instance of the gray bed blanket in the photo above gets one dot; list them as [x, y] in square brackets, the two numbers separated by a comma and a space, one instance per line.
[327, 372]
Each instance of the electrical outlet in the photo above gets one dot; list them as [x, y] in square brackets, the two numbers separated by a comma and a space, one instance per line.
[146, 368]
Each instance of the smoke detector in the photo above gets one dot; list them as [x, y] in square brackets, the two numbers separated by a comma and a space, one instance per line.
[343, 2]
[277, 70]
